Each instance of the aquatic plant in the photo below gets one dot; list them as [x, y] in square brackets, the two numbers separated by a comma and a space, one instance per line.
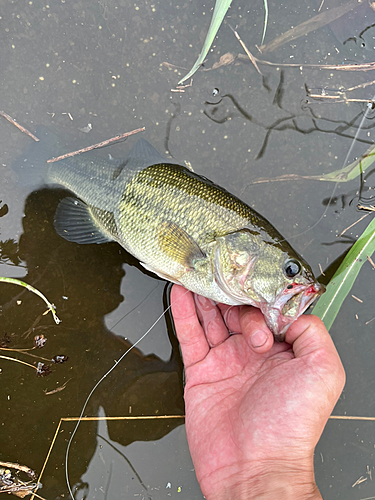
[221, 8]
[340, 285]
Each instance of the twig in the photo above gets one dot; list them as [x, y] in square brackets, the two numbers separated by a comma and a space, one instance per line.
[359, 481]
[371, 261]
[38, 496]
[24, 351]
[338, 98]
[20, 127]
[180, 88]
[172, 66]
[23, 468]
[357, 299]
[58, 389]
[18, 361]
[354, 223]
[360, 86]
[249, 54]
[371, 208]
[340, 67]
[347, 417]
[369, 472]
[96, 146]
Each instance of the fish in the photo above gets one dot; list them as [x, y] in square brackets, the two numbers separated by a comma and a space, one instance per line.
[181, 226]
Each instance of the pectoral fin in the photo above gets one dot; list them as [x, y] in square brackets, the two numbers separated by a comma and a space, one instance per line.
[75, 222]
[179, 245]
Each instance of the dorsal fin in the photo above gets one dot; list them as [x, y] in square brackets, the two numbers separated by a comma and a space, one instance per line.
[143, 155]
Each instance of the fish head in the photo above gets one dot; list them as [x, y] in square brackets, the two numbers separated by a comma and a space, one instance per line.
[266, 274]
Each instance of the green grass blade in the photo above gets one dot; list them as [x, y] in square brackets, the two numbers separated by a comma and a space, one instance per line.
[353, 170]
[50, 306]
[221, 7]
[340, 285]
[265, 20]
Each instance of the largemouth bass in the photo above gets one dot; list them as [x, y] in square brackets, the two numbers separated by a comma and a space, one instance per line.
[182, 227]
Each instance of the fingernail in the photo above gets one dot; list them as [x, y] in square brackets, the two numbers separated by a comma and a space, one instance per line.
[227, 315]
[258, 338]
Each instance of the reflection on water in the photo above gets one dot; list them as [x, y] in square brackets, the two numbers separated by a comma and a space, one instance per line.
[102, 62]
[136, 469]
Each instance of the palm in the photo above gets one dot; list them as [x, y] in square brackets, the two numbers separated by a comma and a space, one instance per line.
[245, 409]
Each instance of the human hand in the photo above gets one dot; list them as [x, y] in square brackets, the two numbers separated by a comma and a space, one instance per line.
[255, 409]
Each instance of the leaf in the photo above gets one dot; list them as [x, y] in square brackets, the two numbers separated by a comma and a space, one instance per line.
[221, 7]
[344, 174]
[351, 171]
[340, 285]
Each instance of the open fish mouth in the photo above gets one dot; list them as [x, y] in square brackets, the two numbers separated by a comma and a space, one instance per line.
[299, 302]
[288, 308]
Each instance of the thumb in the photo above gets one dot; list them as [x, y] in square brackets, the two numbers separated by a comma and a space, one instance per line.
[310, 340]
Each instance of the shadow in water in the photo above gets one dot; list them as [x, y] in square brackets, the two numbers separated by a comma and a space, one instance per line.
[83, 281]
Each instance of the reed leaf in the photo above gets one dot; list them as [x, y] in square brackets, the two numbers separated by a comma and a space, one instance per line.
[221, 8]
[351, 171]
[340, 285]
[50, 306]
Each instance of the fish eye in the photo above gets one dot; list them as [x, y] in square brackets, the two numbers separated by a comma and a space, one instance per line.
[291, 268]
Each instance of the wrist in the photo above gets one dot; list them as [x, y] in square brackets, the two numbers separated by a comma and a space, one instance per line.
[281, 482]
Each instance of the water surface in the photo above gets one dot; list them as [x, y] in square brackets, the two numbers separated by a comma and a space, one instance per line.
[68, 64]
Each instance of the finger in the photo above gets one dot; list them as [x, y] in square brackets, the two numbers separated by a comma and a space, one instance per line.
[193, 342]
[310, 340]
[231, 316]
[255, 330]
[211, 320]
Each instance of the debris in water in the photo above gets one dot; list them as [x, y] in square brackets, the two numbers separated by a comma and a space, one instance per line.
[43, 370]
[40, 341]
[60, 358]
[96, 146]
[11, 483]
[86, 129]
[20, 127]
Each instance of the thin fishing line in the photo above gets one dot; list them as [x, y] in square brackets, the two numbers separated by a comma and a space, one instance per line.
[364, 117]
[97, 385]
[134, 308]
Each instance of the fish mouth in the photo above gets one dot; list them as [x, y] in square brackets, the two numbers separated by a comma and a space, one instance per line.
[288, 307]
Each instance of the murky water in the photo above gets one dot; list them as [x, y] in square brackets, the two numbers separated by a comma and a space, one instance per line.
[67, 64]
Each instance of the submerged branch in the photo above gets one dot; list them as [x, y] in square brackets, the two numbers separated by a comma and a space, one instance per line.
[20, 127]
[96, 146]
